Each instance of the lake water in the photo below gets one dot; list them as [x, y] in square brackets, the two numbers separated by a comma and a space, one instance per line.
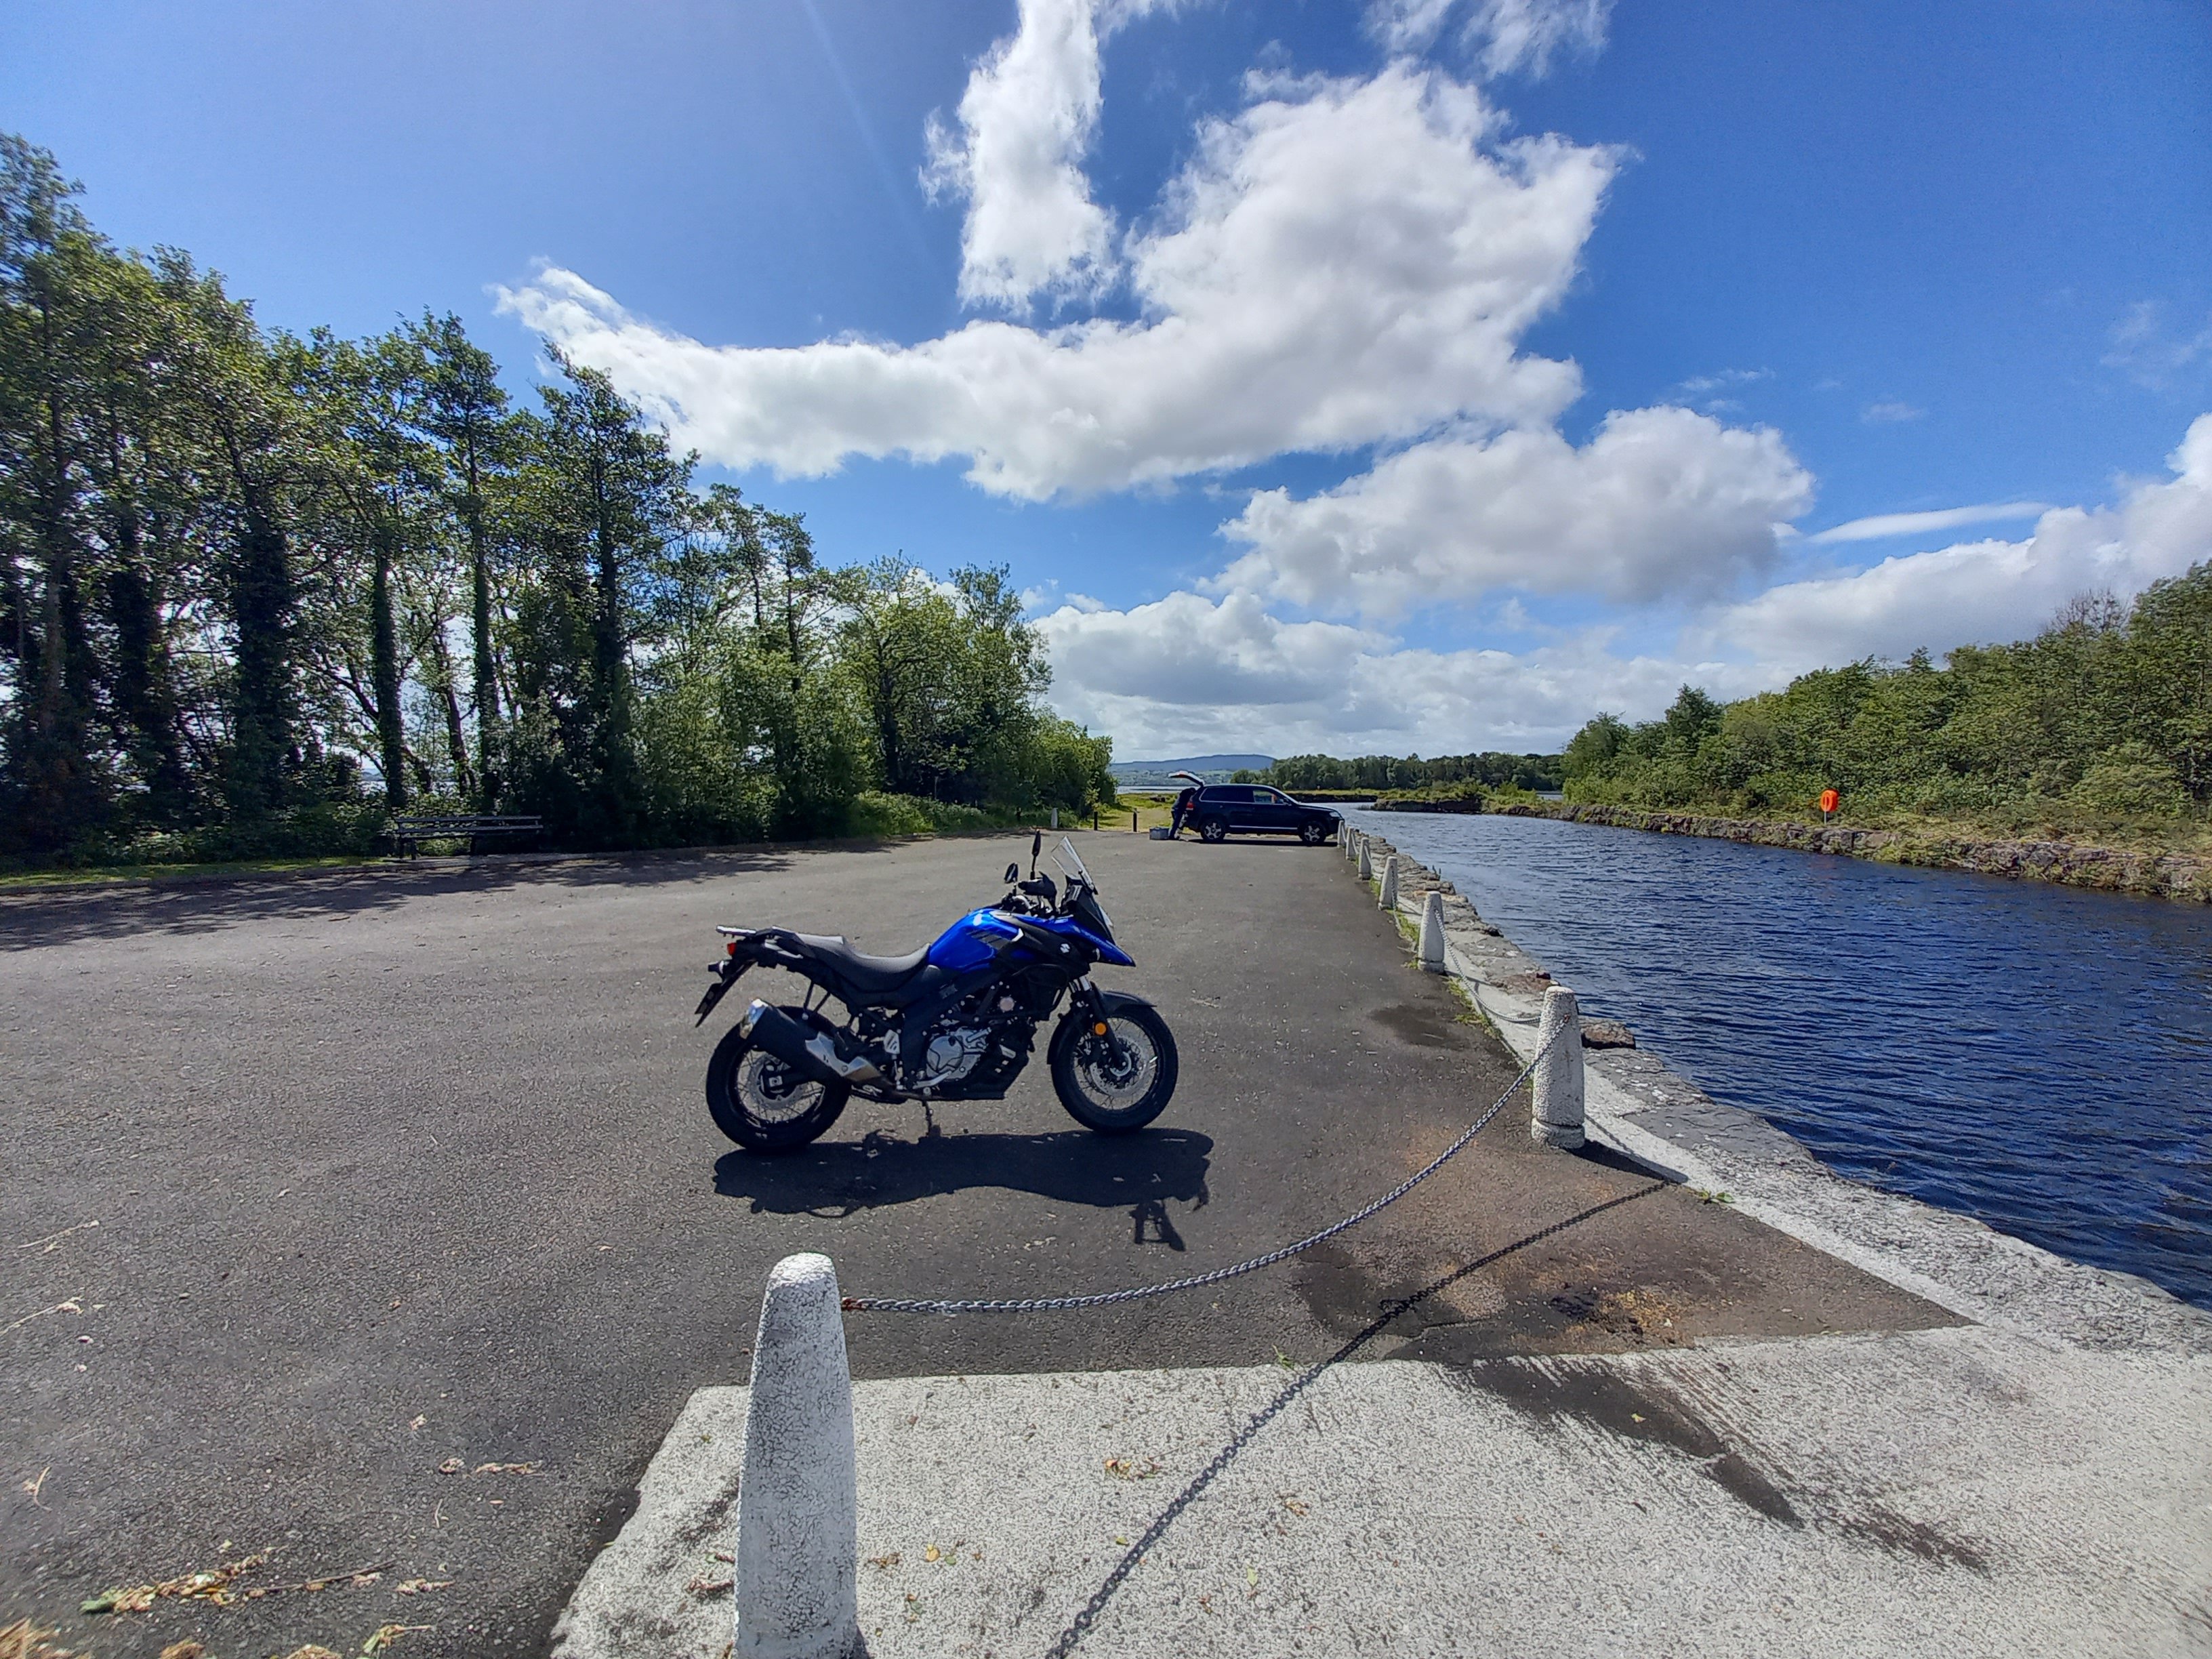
[2038, 1056]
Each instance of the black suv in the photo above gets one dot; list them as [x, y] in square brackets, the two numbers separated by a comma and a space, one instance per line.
[1225, 808]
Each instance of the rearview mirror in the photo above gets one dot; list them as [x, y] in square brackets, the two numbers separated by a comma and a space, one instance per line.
[1014, 873]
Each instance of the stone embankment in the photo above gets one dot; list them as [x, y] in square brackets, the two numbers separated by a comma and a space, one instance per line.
[2069, 864]
[1415, 803]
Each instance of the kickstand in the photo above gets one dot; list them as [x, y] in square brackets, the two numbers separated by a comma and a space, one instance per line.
[929, 1130]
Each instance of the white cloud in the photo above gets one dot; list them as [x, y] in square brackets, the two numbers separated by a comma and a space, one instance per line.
[1880, 525]
[1187, 674]
[1659, 501]
[1890, 413]
[1340, 263]
[1504, 36]
[2152, 358]
[1026, 119]
[1699, 385]
[1985, 591]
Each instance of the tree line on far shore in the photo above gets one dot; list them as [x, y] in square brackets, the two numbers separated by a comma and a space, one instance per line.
[2105, 714]
[259, 591]
[1491, 770]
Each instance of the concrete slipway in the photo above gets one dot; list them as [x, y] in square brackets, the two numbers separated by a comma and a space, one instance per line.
[2035, 1479]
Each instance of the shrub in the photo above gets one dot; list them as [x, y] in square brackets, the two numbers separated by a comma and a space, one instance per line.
[2131, 777]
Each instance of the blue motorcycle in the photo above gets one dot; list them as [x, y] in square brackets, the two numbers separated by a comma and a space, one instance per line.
[954, 1022]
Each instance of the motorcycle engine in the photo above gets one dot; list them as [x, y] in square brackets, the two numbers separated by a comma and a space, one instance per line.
[952, 1052]
[974, 1051]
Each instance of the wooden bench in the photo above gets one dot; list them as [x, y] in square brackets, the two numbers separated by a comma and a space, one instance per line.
[410, 832]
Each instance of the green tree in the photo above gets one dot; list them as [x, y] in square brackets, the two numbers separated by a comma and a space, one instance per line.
[466, 413]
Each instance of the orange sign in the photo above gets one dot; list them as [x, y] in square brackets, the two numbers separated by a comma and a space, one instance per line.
[1828, 799]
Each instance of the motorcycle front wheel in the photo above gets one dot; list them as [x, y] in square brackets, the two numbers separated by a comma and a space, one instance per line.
[1120, 1078]
[761, 1104]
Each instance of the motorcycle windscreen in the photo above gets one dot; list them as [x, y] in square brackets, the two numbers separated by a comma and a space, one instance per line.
[1071, 863]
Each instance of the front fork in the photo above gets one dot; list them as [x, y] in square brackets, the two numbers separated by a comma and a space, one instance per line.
[1087, 1008]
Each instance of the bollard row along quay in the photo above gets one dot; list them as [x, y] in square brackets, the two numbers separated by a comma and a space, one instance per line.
[1556, 1090]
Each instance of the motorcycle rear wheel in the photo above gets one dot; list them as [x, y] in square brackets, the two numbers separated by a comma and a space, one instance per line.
[756, 1100]
[1120, 1082]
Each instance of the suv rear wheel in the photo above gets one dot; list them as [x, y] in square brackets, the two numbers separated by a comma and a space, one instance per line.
[1213, 829]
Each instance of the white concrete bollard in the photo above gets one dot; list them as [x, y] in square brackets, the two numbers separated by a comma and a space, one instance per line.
[1555, 1094]
[1432, 931]
[1388, 898]
[797, 1493]
[1366, 863]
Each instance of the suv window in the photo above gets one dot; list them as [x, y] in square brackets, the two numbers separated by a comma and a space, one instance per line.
[1229, 794]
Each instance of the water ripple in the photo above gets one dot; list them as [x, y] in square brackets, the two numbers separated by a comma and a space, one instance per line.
[2033, 1055]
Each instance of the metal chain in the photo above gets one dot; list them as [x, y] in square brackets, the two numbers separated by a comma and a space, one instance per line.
[1138, 1293]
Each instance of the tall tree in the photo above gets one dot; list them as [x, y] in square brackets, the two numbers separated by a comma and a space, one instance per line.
[465, 411]
[609, 497]
[231, 389]
[47, 260]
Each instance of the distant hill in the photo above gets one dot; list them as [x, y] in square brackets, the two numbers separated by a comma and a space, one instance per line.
[1214, 768]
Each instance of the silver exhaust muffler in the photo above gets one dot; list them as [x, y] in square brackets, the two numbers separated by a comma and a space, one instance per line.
[816, 1054]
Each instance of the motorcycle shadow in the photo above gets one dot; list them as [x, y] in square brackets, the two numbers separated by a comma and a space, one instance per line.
[1143, 1172]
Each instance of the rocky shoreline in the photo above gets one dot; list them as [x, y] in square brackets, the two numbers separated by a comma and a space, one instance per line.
[2069, 864]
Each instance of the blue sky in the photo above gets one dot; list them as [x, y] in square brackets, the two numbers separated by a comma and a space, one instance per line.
[1454, 367]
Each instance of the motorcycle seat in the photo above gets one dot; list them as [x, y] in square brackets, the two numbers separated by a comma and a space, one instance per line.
[862, 972]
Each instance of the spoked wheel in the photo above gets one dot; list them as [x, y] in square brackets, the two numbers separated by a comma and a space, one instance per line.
[761, 1104]
[1119, 1078]
[1216, 829]
[1312, 834]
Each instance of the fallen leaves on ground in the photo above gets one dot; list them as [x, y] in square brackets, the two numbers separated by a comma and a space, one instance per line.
[211, 1584]
[1123, 1468]
[420, 1586]
[219, 1587]
[885, 1562]
[1295, 1507]
[384, 1635]
[504, 1468]
[25, 1640]
[187, 1650]
[313, 1650]
[704, 1586]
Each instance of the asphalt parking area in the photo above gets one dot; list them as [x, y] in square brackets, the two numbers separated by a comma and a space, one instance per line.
[376, 1218]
